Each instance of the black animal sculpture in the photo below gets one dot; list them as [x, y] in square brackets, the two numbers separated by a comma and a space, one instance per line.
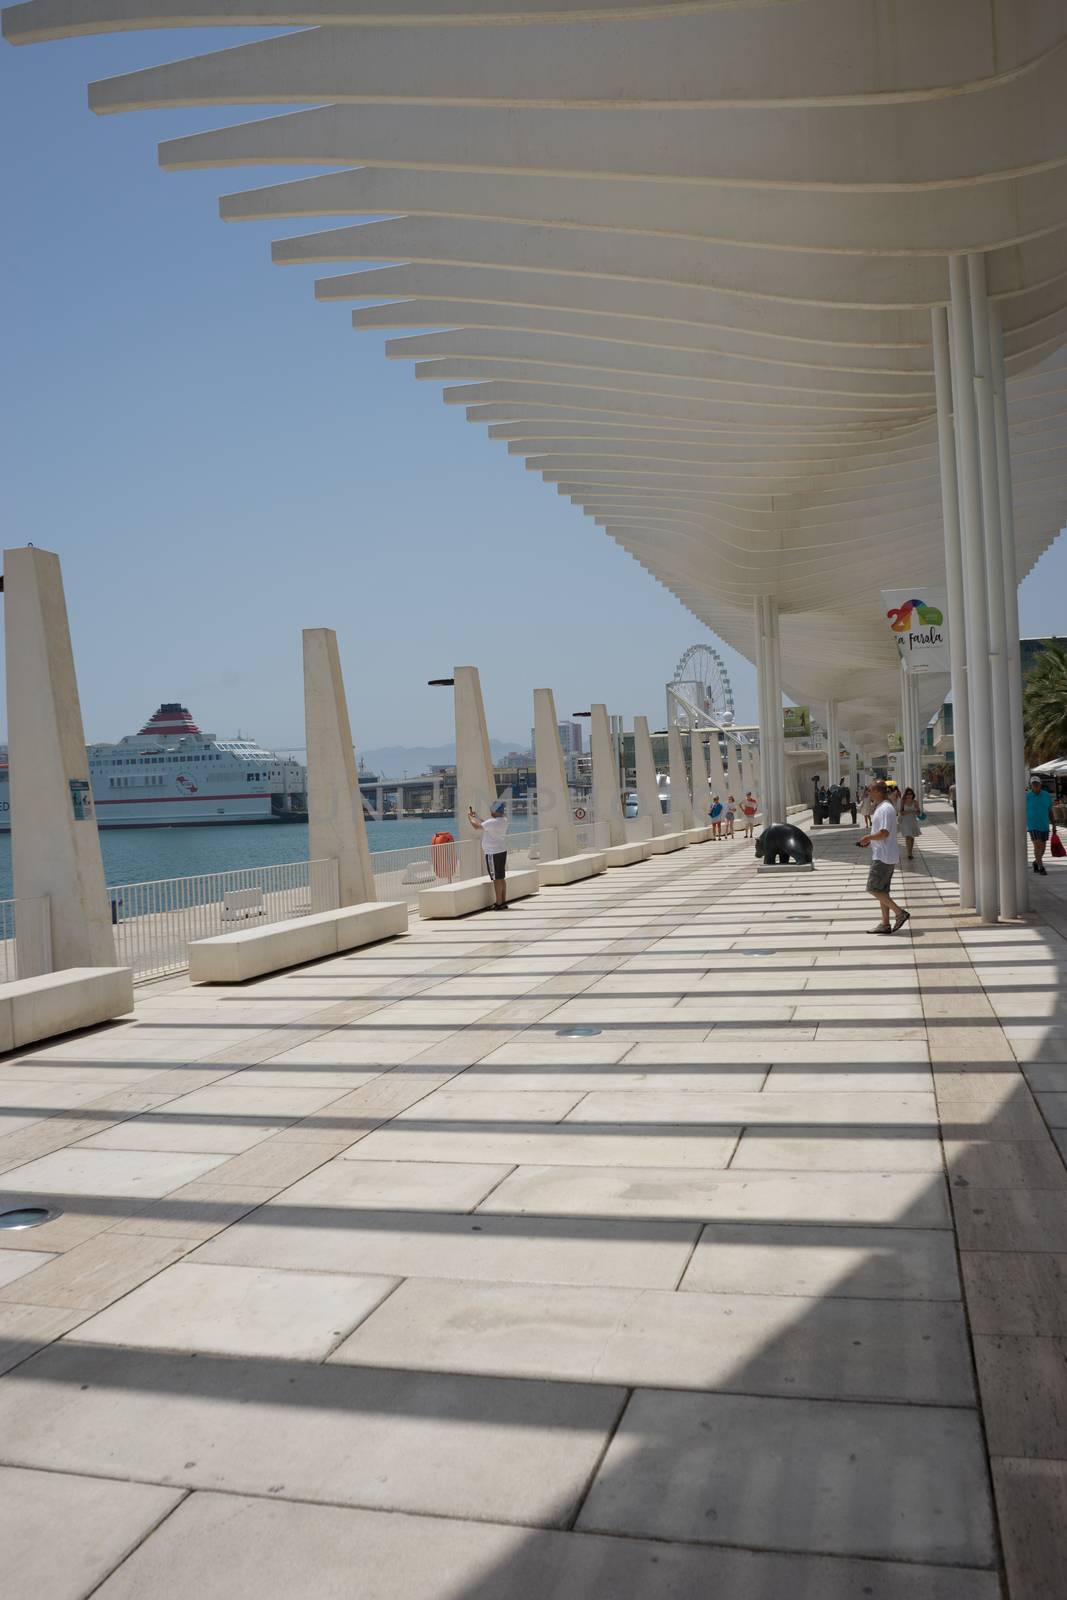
[782, 842]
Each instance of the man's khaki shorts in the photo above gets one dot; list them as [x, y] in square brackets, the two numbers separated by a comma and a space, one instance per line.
[880, 877]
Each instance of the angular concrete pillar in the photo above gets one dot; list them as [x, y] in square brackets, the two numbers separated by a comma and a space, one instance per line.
[553, 796]
[475, 782]
[55, 847]
[699, 789]
[647, 789]
[681, 804]
[717, 773]
[735, 783]
[336, 827]
[833, 745]
[748, 769]
[607, 802]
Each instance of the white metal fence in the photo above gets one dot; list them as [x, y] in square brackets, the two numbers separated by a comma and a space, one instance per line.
[155, 922]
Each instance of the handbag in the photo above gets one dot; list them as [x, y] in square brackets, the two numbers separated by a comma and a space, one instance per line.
[1056, 845]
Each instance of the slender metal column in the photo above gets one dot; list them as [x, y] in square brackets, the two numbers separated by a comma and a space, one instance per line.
[833, 745]
[957, 643]
[993, 539]
[1011, 604]
[976, 619]
[768, 676]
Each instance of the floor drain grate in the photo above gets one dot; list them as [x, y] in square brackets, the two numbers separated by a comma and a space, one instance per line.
[577, 1033]
[26, 1217]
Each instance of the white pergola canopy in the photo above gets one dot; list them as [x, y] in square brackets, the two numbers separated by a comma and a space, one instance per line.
[681, 258]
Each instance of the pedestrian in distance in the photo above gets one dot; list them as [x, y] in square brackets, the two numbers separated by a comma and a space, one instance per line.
[493, 830]
[909, 821]
[952, 799]
[882, 842]
[1038, 821]
[731, 813]
[749, 807]
[866, 806]
[716, 817]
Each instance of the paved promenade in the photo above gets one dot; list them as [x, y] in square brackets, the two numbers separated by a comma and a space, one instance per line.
[668, 1238]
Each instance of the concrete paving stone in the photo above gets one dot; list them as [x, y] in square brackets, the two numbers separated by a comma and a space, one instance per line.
[897, 1033]
[1004, 1164]
[499, 1450]
[773, 1344]
[897, 1482]
[454, 1104]
[1038, 1048]
[16, 1263]
[810, 1080]
[783, 1110]
[579, 1080]
[287, 1551]
[865, 1011]
[949, 1045]
[786, 1050]
[85, 1171]
[339, 1079]
[1023, 1383]
[62, 1535]
[431, 1244]
[1011, 1219]
[1008, 1293]
[25, 1329]
[1053, 1107]
[205, 1134]
[395, 1185]
[239, 1311]
[958, 1083]
[1031, 1501]
[818, 1149]
[238, 1098]
[195, 1212]
[666, 1192]
[45, 1097]
[95, 1273]
[1047, 1076]
[364, 1047]
[831, 1262]
[1016, 1119]
[567, 1144]
[550, 1050]
[270, 1165]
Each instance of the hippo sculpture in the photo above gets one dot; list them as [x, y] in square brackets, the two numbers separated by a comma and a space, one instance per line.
[781, 843]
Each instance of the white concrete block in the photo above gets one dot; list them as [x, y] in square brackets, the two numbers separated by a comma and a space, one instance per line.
[250, 952]
[569, 869]
[663, 843]
[696, 835]
[366, 924]
[60, 1002]
[624, 855]
[474, 894]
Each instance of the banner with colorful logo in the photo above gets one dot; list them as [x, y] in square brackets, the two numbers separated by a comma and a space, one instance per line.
[796, 722]
[918, 623]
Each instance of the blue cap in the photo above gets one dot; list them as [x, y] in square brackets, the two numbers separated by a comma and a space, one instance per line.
[497, 808]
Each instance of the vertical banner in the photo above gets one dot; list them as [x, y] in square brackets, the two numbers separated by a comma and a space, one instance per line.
[796, 722]
[920, 627]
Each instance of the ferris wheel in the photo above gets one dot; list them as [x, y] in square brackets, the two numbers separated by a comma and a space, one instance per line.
[700, 693]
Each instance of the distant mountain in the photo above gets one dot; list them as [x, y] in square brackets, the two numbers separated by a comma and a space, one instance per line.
[396, 759]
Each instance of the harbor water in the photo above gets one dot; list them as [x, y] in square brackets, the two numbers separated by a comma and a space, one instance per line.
[141, 855]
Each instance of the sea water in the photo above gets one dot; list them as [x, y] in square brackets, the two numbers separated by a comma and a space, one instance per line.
[141, 855]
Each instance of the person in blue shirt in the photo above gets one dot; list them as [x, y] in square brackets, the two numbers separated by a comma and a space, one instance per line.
[716, 817]
[1038, 821]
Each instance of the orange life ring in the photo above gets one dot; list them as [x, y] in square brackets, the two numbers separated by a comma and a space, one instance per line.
[443, 855]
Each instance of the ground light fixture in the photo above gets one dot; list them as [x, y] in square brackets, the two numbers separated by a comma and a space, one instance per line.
[19, 1217]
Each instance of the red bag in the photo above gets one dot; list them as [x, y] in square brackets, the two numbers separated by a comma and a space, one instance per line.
[1056, 845]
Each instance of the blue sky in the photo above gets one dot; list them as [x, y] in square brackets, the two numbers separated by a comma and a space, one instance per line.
[220, 461]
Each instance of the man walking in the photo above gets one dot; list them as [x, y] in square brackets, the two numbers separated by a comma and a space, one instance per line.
[493, 830]
[1038, 821]
[885, 851]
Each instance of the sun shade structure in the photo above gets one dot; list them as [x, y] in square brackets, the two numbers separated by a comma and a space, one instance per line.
[775, 293]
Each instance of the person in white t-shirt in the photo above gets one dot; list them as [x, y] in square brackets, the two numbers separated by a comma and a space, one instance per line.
[882, 841]
[493, 830]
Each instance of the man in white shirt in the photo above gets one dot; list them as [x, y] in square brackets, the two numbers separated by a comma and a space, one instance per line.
[493, 830]
[885, 850]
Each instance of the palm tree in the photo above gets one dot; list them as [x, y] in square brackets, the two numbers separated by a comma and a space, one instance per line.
[1045, 706]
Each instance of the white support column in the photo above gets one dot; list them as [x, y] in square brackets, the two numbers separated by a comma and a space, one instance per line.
[336, 827]
[748, 769]
[717, 768]
[853, 768]
[647, 789]
[994, 568]
[681, 805]
[607, 803]
[905, 729]
[1011, 605]
[55, 847]
[553, 795]
[957, 642]
[475, 781]
[736, 783]
[769, 681]
[976, 615]
[833, 745]
[700, 789]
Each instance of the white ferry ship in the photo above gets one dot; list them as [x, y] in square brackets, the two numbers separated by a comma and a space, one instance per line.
[170, 775]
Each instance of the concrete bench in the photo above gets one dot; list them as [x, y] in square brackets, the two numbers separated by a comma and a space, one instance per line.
[60, 1002]
[624, 855]
[696, 835]
[474, 894]
[664, 843]
[569, 869]
[236, 957]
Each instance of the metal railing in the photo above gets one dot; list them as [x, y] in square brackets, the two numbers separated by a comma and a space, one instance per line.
[400, 874]
[25, 939]
[155, 922]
